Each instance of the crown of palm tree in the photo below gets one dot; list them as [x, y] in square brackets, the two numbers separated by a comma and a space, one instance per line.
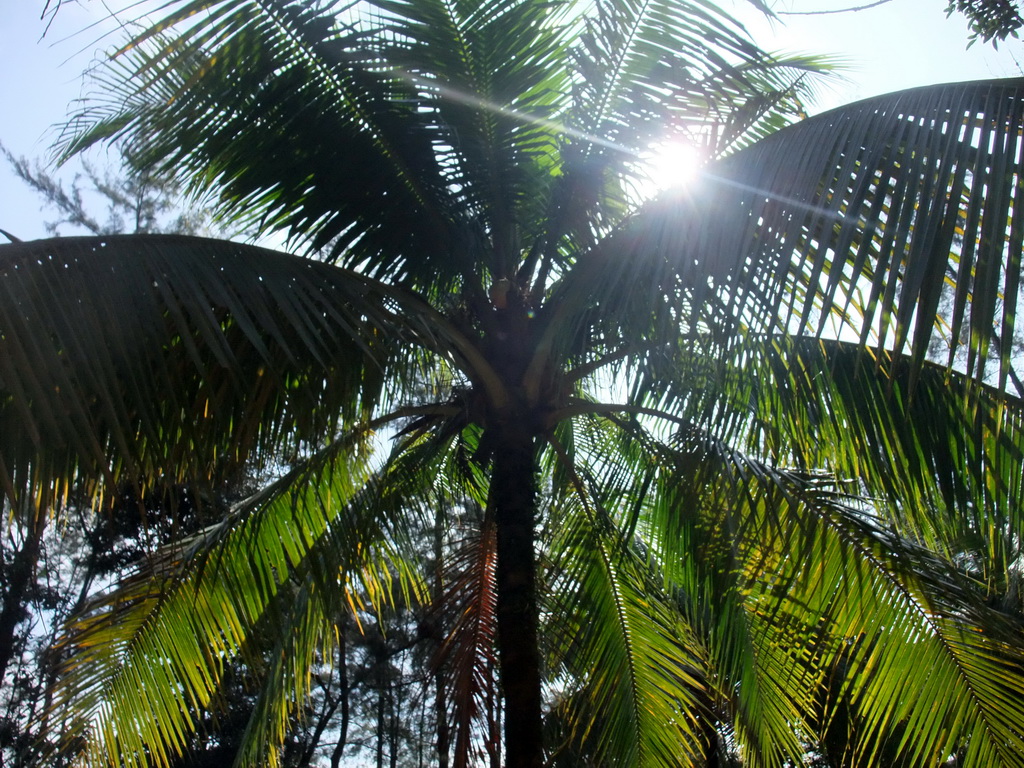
[749, 454]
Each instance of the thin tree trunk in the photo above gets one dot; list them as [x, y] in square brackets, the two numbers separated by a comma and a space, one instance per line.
[396, 700]
[326, 715]
[20, 575]
[513, 495]
[339, 750]
[421, 728]
[441, 715]
[381, 735]
[440, 699]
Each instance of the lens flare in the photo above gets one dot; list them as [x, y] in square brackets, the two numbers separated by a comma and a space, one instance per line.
[672, 165]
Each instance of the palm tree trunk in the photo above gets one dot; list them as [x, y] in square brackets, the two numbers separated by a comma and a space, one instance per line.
[513, 495]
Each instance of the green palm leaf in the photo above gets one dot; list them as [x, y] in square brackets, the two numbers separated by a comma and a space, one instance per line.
[639, 682]
[807, 604]
[188, 109]
[938, 454]
[862, 218]
[181, 355]
[315, 524]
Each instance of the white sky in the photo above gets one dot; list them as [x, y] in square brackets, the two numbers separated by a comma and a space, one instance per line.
[898, 45]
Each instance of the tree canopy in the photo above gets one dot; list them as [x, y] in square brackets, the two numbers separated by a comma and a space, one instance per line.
[747, 455]
[990, 19]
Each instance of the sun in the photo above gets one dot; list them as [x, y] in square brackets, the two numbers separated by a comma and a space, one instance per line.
[672, 164]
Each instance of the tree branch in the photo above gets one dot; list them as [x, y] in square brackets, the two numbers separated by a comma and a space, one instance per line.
[836, 10]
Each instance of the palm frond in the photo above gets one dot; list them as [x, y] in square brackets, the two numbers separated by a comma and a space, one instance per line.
[815, 567]
[634, 674]
[467, 659]
[187, 105]
[169, 357]
[806, 603]
[192, 608]
[876, 232]
[331, 539]
[647, 66]
[491, 75]
[866, 218]
[310, 618]
[938, 454]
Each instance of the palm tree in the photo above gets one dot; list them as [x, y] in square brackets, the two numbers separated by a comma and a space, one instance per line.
[730, 499]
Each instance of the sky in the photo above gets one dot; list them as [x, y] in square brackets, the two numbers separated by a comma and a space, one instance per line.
[901, 44]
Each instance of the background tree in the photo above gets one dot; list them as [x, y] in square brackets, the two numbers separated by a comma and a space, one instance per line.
[745, 524]
[991, 20]
[135, 202]
[48, 572]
